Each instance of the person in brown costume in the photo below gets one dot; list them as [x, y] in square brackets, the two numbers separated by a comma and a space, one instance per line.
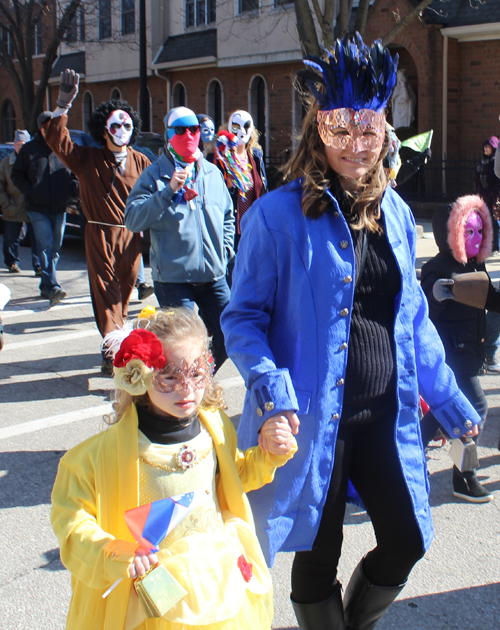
[106, 177]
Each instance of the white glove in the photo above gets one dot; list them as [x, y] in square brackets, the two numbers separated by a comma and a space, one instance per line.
[441, 289]
[68, 88]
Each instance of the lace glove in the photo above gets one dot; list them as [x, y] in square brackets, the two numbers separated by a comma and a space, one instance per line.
[442, 291]
[68, 88]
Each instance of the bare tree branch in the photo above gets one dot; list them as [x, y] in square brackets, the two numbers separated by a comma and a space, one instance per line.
[362, 16]
[306, 28]
[402, 24]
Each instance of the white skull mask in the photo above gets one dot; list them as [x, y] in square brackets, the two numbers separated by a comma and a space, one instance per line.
[241, 124]
[120, 127]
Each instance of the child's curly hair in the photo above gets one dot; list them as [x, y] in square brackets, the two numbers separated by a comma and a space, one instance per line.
[97, 122]
[173, 327]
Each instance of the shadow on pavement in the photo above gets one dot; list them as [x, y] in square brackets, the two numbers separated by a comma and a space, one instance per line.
[28, 477]
[476, 608]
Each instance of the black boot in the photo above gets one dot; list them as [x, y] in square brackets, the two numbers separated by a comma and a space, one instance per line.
[325, 615]
[466, 486]
[364, 602]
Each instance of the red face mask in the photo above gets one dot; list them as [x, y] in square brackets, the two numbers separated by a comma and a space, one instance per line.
[186, 145]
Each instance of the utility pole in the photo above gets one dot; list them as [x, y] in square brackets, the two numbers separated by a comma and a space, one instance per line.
[143, 69]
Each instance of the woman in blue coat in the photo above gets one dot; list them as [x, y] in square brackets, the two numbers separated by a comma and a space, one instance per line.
[328, 324]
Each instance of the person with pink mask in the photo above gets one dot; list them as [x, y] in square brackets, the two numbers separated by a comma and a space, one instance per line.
[464, 234]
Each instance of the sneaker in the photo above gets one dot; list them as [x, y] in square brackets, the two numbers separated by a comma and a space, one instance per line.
[145, 290]
[107, 367]
[491, 365]
[38, 271]
[56, 295]
[466, 486]
[14, 268]
[44, 295]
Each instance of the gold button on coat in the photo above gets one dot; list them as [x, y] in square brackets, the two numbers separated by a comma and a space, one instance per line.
[340, 382]
[269, 406]
[344, 244]
[259, 412]
[335, 416]
[343, 346]
[457, 431]
[344, 312]
[468, 424]
[347, 279]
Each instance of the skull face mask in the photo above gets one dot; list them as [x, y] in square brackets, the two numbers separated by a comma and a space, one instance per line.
[344, 128]
[241, 124]
[120, 127]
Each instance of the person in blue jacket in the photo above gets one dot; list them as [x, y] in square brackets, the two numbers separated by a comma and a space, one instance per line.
[182, 198]
[328, 324]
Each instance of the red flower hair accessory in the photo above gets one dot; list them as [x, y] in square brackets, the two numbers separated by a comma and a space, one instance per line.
[143, 345]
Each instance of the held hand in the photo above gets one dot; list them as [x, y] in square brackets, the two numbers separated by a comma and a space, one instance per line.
[441, 289]
[143, 561]
[275, 434]
[68, 88]
[178, 179]
[474, 432]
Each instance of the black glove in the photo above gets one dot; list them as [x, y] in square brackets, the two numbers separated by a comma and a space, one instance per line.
[68, 88]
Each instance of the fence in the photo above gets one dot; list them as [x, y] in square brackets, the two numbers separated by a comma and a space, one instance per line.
[437, 181]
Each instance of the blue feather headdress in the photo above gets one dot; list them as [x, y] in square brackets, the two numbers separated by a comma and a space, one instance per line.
[354, 76]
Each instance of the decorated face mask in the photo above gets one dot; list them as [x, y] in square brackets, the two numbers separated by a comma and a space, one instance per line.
[207, 130]
[241, 124]
[357, 131]
[473, 231]
[195, 376]
[120, 127]
[183, 133]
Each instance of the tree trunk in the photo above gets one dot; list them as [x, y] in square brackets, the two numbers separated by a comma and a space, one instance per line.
[306, 28]
[344, 16]
[362, 17]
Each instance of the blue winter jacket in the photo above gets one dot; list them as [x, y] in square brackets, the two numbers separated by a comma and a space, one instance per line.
[190, 242]
[287, 330]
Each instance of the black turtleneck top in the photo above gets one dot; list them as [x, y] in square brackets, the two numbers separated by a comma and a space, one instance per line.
[370, 380]
[167, 429]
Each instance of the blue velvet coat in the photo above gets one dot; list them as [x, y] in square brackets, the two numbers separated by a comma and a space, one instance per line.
[287, 329]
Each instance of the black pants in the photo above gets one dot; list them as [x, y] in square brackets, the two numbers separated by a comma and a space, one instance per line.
[366, 455]
[471, 387]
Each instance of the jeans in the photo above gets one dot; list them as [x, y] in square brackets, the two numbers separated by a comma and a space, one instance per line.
[12, 232]
[49, 233]
[367, 455]
[491, 339]
[141, 276]
[211, 298]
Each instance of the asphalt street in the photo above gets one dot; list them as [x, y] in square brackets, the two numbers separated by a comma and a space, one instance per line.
[53, 396]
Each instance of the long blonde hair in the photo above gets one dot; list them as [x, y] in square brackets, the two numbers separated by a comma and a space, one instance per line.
[173, 327]
[310, 163]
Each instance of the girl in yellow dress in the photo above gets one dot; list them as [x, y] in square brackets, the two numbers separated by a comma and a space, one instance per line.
[168, 436]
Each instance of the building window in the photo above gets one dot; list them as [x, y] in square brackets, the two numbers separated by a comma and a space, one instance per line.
[8, 41]
[37, 40]
[88, 108]
[258, 108]
[245, 6]
[215, 105]
[128, 17]
[8, 121]
[104, 19]
[179, 95]
[116, 94]
[77, 29]
[200, 12]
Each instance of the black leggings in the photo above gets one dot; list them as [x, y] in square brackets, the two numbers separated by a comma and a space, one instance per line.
[368, 456]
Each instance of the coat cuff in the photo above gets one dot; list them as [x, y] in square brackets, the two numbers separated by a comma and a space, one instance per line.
[272, 393]
[456, 416]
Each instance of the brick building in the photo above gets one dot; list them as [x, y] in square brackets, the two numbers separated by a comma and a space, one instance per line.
[216, 56]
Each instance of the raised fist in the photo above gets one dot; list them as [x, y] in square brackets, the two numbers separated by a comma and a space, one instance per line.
[68, 88]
